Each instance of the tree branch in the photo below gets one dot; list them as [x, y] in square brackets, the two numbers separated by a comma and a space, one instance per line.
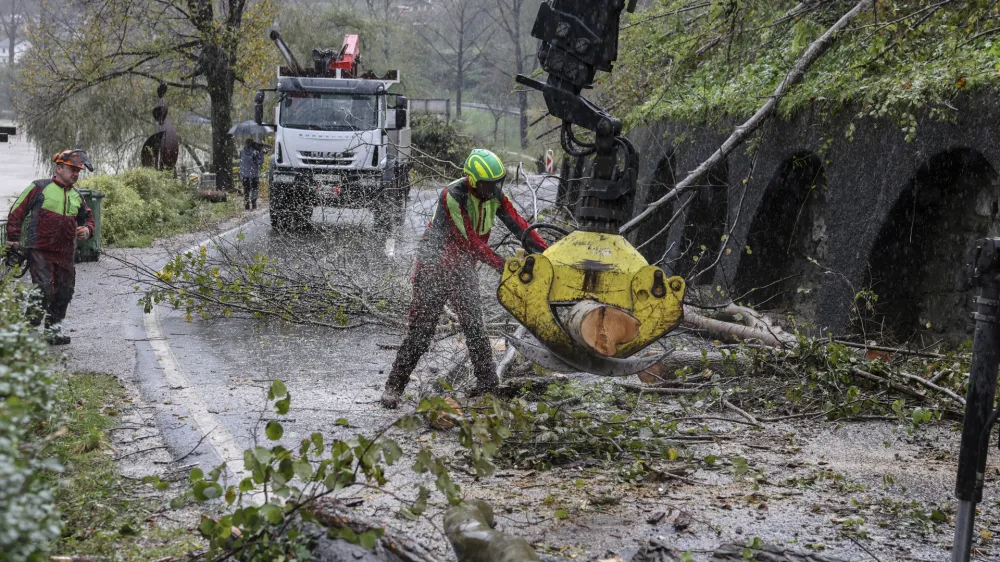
[812, 54]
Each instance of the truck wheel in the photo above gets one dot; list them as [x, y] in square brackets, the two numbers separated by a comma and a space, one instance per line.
[289, 210]
[279, 209]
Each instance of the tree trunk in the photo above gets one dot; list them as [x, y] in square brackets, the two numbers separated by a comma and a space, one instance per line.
[221, 80]
[463, 28]
[600, 327]
[694, 360]
[522, 93]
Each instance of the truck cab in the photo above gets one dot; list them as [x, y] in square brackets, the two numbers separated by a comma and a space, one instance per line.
[341, 140]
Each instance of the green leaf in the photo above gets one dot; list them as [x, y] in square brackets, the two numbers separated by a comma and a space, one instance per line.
[196, 475]
[262, 455]
[274, 430]
[369, 539]
[342, 422]
[207, 526]
[391, 451]
[561, 514]
[272, 513]
[204, 490]
[282, 406]
[246, 485]
[303, 469]
[317, 440]
[277, 390]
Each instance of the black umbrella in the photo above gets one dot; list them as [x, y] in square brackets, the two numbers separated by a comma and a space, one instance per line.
[249, 128]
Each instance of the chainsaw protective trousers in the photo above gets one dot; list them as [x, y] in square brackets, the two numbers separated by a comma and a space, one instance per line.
[55, 277]
[433, 286]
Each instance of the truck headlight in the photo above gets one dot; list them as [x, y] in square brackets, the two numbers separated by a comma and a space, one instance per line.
[284, 178]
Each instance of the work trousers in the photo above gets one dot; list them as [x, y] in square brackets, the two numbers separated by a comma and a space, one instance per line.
[433, 286]
[250, 188]
[55, 277]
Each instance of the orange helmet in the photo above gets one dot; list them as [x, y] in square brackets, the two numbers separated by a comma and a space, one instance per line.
[76, 158]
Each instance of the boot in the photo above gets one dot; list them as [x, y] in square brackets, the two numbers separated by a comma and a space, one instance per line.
[390, 398]
[54, 336]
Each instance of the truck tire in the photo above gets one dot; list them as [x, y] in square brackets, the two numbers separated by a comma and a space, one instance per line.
[290, 211]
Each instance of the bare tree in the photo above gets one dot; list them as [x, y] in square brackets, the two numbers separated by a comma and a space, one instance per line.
[457, 32]
[510, 16]
[14, 14]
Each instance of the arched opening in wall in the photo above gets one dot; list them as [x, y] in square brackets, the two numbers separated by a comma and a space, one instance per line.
[706, 208]
[915, 268]
[775, 271]
[663, 181]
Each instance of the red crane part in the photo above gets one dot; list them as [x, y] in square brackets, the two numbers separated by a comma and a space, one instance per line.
[348, 57]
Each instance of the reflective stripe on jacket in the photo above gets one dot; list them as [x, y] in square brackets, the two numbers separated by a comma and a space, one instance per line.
[46, 215]
[460, 230]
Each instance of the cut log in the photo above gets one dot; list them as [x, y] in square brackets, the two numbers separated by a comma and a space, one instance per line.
[713, 360]
[469, 528]
[728, 331]
[332, 513]
[212, 196]
[601, 327]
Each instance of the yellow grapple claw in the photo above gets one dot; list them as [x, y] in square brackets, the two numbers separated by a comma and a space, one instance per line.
[590, 266]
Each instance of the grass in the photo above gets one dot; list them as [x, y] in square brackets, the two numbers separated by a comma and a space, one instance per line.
[479, 122]
[103, 513]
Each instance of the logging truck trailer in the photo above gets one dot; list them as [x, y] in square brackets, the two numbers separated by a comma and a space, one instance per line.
[341, 139]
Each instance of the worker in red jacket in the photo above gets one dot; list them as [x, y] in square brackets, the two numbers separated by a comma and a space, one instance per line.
[445, 270]
[46, 221]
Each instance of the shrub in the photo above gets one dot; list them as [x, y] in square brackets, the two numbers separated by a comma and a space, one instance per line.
[141, 204]
[29, 389]
[439, 140]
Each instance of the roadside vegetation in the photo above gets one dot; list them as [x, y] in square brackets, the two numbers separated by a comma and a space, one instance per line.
[142, 204]
[60, 488]
[103, 513]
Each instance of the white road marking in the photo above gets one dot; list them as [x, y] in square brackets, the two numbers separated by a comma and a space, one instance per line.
[219, 437]
[216, 433]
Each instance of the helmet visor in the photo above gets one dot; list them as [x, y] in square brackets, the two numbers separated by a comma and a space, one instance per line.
[84, 160]
[490, 187]
[75, 158]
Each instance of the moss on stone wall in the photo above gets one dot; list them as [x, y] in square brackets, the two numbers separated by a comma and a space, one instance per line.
[702, 61]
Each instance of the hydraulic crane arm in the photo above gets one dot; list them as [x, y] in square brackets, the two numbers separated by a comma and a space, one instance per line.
[591, 300]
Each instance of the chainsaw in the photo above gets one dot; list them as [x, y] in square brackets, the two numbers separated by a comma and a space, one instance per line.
[591, 300]
[14, 259]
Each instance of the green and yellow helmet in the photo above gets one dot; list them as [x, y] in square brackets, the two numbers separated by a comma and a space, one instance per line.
[483, 165]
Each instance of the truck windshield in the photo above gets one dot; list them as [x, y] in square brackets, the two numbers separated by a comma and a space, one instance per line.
[328, 112]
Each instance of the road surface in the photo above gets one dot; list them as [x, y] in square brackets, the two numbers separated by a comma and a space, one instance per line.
[18, 167]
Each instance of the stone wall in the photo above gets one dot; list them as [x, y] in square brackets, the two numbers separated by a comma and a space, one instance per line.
[812, 218]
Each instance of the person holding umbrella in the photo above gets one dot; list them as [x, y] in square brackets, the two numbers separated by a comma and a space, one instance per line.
[251, 160]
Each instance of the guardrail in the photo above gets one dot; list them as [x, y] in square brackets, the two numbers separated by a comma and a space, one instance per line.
[438, 106]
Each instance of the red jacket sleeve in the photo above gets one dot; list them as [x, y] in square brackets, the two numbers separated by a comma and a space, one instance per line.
[17, 213]
[89, 221]
[517, 225]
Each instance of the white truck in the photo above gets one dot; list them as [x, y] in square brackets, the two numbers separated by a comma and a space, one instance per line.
[341, 139]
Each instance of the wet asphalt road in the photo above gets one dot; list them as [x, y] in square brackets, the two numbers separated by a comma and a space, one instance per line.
[18, 167]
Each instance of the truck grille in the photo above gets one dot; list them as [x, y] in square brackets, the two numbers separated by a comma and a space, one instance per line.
[311, 158]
